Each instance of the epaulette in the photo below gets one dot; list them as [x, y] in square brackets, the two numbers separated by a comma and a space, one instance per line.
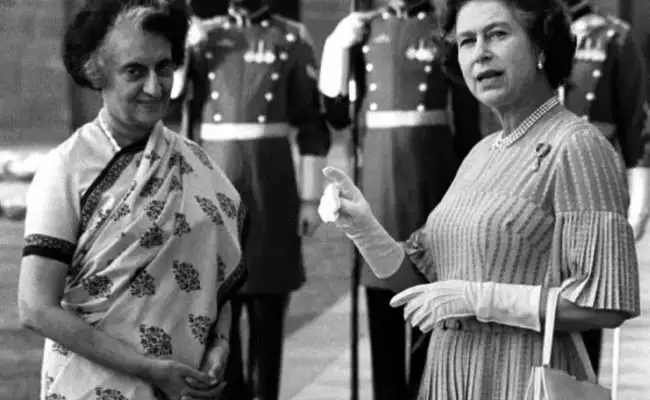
[620, 28]
[293, 30]
[618, 23]
[588, 23]
[216, 22]
[594, 32]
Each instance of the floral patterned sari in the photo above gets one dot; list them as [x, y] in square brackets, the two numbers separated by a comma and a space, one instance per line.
[152, 243]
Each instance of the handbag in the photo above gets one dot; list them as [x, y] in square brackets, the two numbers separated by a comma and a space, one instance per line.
[546, 383]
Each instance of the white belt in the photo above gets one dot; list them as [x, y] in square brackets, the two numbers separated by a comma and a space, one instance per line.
[396, 118]
[243, 131]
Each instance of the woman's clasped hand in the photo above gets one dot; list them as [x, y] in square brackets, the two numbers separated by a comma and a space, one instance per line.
[181, 382]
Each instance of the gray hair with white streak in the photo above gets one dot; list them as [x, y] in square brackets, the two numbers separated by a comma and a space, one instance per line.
[94, 67]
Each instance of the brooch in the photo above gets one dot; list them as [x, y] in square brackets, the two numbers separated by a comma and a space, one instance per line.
[541, 151]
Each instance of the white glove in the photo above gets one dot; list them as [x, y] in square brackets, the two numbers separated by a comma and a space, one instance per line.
[507, 304]
[335, 62]
[639, 186]
[354, 218]
[180, 80]
[351, 29]
[196, 33]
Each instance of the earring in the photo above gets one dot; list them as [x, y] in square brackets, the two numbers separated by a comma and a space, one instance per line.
[540, 62]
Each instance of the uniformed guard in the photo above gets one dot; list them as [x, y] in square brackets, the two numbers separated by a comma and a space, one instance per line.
[416, 126]
[608, 87]
[253, 81]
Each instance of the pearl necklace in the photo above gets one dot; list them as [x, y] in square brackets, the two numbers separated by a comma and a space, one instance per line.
[501, 142]
[105, 130]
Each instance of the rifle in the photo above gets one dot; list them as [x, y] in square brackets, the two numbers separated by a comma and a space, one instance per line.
[194, 95]
[181, 104]
[355, 5]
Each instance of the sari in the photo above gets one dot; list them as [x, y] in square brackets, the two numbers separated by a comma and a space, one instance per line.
[151, 237]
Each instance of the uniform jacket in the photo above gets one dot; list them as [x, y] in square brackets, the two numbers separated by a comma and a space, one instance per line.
[608, 83]
[257, 73]
[397, 68]
[415, 124]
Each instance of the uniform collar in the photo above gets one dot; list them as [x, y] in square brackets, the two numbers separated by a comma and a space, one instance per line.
[243, 17]
[409, 11]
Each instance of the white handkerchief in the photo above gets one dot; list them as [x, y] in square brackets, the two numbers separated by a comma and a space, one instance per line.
[330, 204]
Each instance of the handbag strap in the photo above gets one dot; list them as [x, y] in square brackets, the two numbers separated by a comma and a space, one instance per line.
[584, 357]
[549, 330]
[549, 325]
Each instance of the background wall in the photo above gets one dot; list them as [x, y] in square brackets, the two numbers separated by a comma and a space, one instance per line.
[33, 105]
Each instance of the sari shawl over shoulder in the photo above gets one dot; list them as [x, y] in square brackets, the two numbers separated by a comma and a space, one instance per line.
[151, 237]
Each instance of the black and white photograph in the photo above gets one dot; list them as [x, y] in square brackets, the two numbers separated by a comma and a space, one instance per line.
[324, 199]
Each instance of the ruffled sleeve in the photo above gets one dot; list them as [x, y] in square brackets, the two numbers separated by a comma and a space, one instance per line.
[593, 243]
[418, 250]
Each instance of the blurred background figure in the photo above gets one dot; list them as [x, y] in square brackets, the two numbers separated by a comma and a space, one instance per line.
[415, 127]
[608, 88]
[252, 75]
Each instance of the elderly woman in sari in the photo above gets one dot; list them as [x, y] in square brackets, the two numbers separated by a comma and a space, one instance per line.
[537, 207]
[132, 233]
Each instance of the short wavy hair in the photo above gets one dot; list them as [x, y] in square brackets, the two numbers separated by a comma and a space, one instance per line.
[548, 26]
[86, 34]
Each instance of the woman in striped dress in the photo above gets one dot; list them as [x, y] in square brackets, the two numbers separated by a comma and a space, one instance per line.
[540, 204]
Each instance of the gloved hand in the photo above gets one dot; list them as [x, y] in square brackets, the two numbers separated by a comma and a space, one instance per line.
[503, 303]
[308, 220]
[354, 218]
[351, 29]
[639, 186]
[311, 189]
[335, 62]
[179, 85]
[196, 34]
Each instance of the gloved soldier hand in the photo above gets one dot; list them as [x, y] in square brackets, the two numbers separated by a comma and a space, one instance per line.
[351, 29]
[196, 34]
[639, 186]
[308, 219]
[507, 304]
[638, 223]
[334, 75]
[352, 215]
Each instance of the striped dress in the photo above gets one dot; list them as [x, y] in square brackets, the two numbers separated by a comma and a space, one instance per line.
[549, 209]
